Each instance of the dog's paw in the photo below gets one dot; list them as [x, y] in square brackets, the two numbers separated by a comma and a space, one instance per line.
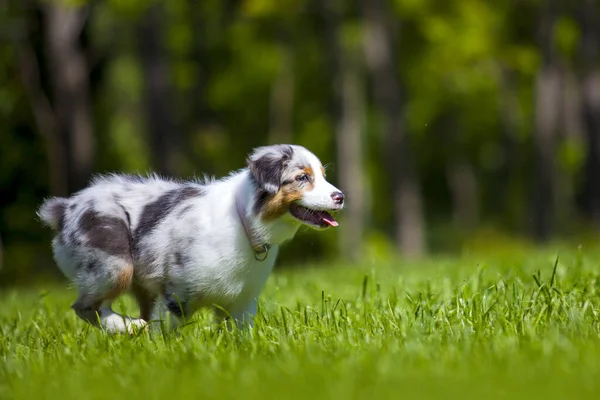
[137, 325]
[116, 323]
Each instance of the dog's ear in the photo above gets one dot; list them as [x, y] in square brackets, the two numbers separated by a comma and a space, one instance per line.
[266, 165]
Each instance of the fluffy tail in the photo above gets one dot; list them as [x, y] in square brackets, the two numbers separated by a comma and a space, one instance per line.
[52, 212]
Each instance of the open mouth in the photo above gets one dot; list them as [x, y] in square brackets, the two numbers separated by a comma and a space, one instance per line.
[322, 219]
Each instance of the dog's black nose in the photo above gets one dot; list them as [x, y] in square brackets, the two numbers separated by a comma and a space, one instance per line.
[338, 197]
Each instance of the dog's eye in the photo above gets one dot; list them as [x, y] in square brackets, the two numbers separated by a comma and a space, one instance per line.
[302, 178]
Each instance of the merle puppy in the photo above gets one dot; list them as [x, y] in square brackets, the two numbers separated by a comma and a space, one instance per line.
[179, 246]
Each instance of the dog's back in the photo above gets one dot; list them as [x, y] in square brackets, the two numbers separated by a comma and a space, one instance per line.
[103, 217]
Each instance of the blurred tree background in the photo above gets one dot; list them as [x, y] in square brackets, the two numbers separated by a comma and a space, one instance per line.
[448, 123]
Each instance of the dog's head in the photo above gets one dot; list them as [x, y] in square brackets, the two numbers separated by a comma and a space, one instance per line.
[290, 180]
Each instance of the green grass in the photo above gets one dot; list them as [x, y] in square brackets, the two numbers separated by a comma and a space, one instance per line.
[481, 327]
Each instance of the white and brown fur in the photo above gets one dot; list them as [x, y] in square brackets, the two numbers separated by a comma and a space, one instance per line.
[178, 246]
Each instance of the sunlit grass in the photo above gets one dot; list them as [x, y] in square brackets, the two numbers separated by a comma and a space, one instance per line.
[501, 327]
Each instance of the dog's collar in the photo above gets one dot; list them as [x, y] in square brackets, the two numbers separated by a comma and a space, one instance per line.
[261, 250]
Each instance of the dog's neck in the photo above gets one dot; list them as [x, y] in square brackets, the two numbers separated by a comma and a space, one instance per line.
[261, 234]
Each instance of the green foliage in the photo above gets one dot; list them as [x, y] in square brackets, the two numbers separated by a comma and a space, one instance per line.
[567, 36]
[223, 61]
[125, 139]
[571, 155]
[502, 327]
[131, 9]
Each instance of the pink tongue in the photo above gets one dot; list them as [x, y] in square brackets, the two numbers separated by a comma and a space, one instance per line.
[329, 219]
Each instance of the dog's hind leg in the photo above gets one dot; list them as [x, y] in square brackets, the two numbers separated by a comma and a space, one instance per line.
[94, 250]
[100, 282]
[145, 299]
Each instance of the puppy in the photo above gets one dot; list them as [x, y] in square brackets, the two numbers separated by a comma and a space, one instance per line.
[179, 246]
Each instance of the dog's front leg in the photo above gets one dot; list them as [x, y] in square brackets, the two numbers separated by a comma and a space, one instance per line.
[163, 317]
[242, 315]
[246, 316]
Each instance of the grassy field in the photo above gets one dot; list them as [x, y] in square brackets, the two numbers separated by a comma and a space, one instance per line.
[516, 326]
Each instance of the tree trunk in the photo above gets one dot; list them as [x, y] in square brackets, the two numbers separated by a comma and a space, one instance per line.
[465, 196]
[158, 99]
[69, 78]
[282, 100]
[41, 109]
[571, 131]
[591, 113]
[509, 111]
[400, 159]
[348, 113]
[547, 110]
[460, 174]
[590, 103]
[350, 145]
[572, 121]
